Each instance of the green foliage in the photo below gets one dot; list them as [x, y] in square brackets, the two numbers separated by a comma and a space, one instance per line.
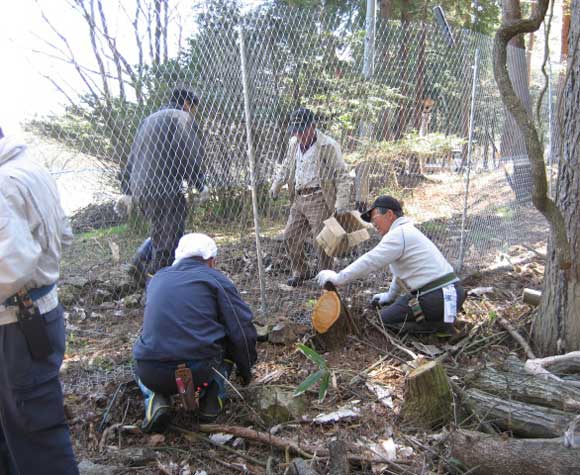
[322, 374]
[431, 145]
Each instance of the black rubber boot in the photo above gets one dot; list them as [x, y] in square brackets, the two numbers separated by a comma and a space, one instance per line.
[210, 405]
[157, 414]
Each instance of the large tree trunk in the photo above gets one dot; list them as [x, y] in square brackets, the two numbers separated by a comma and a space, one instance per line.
[557, 329]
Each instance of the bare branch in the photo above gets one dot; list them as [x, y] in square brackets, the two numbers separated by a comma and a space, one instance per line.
[60, 89]
[112, 46]
[89, 17]
[508, 30]
[87, 81]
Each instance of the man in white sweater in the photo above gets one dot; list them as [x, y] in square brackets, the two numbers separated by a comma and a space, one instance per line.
[433, 293]
[34, 436]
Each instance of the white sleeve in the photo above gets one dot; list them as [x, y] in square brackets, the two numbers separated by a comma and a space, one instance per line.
[19, 251]
[394, 289]
[387, 251]
[281, 178]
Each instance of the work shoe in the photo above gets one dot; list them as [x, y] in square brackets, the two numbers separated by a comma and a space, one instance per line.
[157, 414]
[210, 405]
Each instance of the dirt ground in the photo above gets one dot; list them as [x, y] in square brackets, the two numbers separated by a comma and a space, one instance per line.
[104, 315]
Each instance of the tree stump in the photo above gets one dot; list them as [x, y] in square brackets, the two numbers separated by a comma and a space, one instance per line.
[427, 401]
[331, 320]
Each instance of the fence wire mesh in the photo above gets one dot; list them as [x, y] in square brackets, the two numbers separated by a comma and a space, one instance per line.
[402, 130]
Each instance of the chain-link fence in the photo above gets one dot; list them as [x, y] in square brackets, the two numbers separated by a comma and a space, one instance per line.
[421, 120]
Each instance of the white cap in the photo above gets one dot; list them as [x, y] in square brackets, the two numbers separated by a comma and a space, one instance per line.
[195, 245]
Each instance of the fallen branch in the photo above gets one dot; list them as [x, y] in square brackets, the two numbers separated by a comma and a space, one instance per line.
[286, 444]
[537, 366]
[194, 436]
[516, 336]
[391, 340]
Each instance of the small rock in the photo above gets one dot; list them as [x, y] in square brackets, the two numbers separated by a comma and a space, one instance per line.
[102, 295]
[276, 405]
[156, 440]
[86, 467]
[68, 295]
[282, 334]
[135, 455]
[262, 331]
[107, 306]
[133, 300]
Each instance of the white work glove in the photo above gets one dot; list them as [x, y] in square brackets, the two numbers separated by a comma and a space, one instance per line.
[325, 276]
[384, 298]
[123, 206]
[203, 195]
[274, 192]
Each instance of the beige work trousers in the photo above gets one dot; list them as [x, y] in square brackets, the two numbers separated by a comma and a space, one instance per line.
[307, 214]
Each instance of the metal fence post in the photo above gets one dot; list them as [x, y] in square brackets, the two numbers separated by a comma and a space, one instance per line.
[369, 53]
[248, 117]
[368, 57]
[469, 152]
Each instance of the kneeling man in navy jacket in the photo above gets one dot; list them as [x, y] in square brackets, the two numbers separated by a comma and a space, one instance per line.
[196, 327]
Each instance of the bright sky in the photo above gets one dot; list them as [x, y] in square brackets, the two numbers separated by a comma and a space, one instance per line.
[23, 89]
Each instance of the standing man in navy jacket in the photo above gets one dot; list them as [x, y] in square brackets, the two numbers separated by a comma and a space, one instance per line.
[194, 316]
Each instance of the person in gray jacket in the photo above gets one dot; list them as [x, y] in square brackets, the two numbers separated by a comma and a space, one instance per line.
[34, 436]
[433, 293]
[167, 152]
[319, 186]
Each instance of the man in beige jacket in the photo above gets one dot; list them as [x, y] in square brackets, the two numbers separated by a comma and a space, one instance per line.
[319, 186]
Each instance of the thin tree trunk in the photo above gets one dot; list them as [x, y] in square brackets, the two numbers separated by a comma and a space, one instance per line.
[512, 141]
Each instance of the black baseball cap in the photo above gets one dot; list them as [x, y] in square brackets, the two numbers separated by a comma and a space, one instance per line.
[180, 95]
[383, 201]
[300, 120]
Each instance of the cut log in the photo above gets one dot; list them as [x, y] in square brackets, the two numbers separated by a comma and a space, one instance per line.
[484, 454]
[331, 320]
[524, 420]
[532, 297]
[427, 401]
[525, 388]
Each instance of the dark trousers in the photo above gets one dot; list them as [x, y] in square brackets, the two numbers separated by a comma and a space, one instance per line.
[431, 304]
[167, 216]
[34, 437]
[159, 376]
